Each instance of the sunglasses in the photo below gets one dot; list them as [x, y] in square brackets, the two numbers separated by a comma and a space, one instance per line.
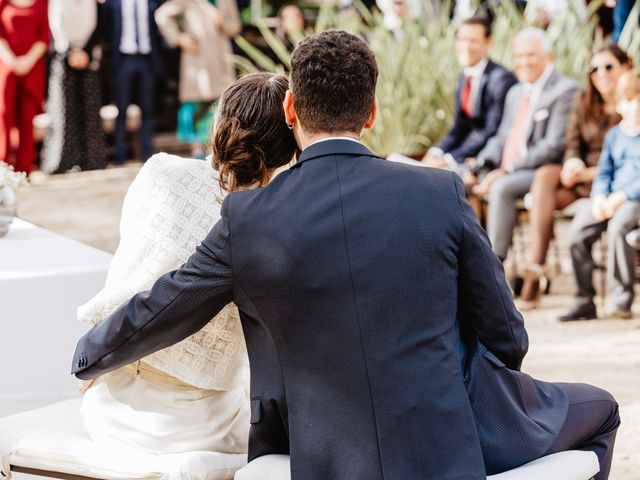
[607, 68]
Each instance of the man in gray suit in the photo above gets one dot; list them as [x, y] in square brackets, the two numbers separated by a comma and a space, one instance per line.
[531, 134]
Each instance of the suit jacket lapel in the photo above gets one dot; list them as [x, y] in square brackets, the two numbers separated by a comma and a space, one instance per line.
[484, 79]
[541, 102]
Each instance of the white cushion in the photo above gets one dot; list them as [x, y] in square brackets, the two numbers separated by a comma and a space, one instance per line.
[573, 465]
[268, 467]
[53, 438]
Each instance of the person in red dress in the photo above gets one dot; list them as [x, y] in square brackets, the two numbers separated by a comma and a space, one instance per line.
[24, 39]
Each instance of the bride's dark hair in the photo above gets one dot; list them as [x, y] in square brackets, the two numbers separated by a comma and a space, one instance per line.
[251, 137]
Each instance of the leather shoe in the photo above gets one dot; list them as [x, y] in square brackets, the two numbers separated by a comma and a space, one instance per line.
[580, 312]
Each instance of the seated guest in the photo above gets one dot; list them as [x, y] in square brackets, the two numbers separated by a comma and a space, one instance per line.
[615, 207]
[531, 134]
[193, 395]
[557, 186]
[480, 95]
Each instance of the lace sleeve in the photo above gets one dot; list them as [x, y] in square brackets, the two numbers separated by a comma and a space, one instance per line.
[169, 208]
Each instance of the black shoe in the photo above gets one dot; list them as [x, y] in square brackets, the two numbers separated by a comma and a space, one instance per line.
[516, 285]
[580, 312]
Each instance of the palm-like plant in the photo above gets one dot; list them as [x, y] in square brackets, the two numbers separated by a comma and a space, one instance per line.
[418, 66]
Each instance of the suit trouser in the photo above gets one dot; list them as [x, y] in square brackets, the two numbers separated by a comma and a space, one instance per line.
[584, 232]
[591, 424]
[501, 218]
[129, 68]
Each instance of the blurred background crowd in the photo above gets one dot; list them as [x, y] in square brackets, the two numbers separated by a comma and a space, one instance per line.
[523, 99]
[104, 72]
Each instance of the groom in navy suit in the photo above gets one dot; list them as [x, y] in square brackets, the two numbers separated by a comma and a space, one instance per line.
[382, 336]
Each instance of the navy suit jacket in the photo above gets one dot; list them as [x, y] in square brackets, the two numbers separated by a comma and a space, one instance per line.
[470, 134]
[111, 21]
[358, 281]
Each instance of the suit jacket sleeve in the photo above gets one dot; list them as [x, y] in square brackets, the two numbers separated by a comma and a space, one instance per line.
[232, 25]
[478, 138]
[166, 17]
[484, 296]
[178, 305]
[604, 179]
[551, 146]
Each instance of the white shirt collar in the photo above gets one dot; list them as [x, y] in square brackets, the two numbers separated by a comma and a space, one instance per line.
[334, 138]
[477, 70]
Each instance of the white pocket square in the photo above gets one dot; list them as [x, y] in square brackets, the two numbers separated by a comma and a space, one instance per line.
[540, 115]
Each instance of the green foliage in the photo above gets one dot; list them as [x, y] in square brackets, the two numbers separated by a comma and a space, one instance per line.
[418, 67]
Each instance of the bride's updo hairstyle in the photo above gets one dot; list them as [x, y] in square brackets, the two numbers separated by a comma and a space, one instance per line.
[250, 134]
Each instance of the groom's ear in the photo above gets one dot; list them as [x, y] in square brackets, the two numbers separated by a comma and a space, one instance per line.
[289, 110]
[373, 115]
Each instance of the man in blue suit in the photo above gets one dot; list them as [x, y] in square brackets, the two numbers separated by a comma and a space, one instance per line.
[137, 57]
[372, 306]
[480, 94]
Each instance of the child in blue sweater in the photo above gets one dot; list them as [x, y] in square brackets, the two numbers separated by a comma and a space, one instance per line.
[615, 207]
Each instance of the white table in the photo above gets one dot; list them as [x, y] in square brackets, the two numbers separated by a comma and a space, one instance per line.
[44, 277]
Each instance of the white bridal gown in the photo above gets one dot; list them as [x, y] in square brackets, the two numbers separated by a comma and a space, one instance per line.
[191, 396]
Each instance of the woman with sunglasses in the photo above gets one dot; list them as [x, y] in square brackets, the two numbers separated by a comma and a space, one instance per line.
[557, 186]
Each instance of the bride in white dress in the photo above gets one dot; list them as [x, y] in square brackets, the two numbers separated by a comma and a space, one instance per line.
[192, 396]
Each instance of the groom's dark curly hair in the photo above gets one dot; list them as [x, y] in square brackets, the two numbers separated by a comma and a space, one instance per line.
[333, 82]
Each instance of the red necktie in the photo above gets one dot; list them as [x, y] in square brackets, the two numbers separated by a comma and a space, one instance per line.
[466, 96]
[511, 150]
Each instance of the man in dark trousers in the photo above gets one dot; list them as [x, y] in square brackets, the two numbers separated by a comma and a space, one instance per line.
[358, 280]
[480, 93]
[137, 60]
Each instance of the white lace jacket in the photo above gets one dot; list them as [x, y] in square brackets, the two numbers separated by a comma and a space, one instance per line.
[168, 210]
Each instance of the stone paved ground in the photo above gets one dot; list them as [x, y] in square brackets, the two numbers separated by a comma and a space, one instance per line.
[86, 206]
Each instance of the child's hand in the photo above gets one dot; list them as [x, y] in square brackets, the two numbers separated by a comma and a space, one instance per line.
[613, 202]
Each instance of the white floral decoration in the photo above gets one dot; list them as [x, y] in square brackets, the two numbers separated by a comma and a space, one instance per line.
[10, 182]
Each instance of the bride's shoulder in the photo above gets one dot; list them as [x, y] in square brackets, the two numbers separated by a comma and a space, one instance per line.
[167, 167]
[164, 161]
